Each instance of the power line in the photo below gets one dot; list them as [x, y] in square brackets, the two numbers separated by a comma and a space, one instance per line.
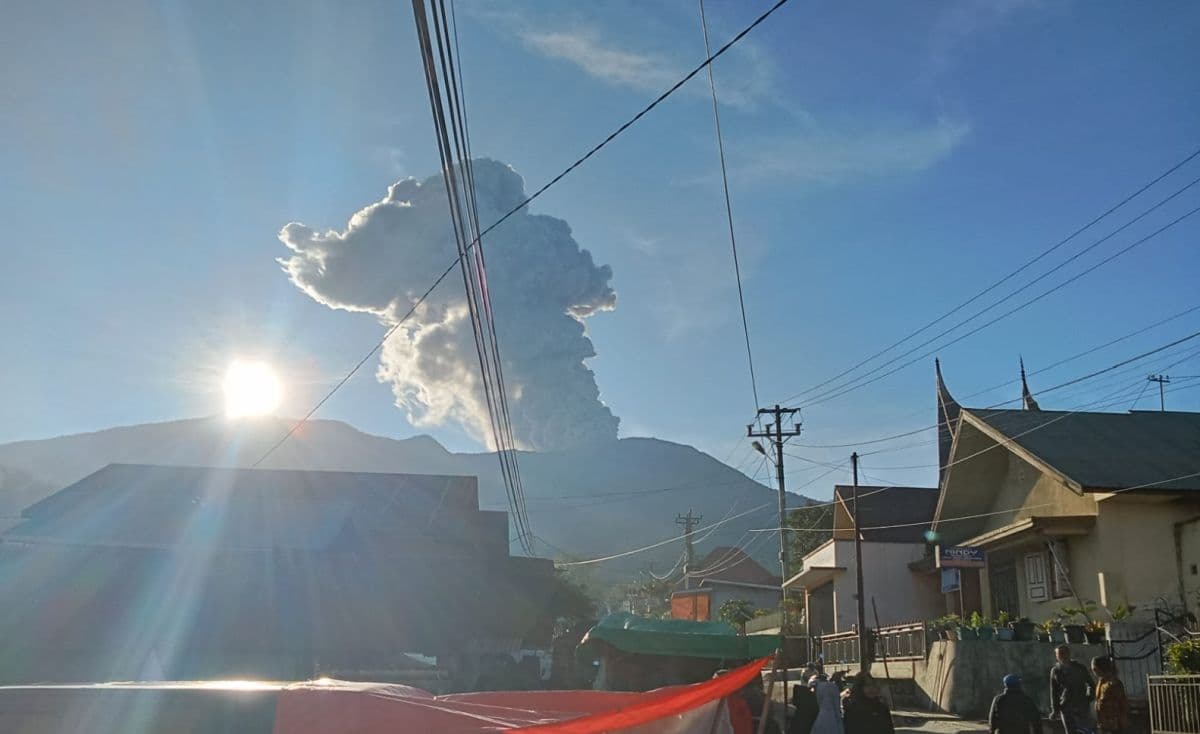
[450, 135]
[851, 387]
[737, 270]
[1092, 350]
[524, 203]
[1006, 278]
[661, 543]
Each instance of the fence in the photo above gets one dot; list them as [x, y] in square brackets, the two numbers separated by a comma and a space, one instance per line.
[1174, 704]
[897, 642]
[901, 642]
[840, 648]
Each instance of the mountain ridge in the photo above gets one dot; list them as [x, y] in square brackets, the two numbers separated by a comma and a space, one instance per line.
[588, 501]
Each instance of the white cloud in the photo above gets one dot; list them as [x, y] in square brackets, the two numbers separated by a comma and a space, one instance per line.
[748, 83]
[828, 157]
[616, 66]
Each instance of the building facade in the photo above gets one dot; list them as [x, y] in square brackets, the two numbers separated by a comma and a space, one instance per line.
[153, 572]
[892, 523]
[1075, 508]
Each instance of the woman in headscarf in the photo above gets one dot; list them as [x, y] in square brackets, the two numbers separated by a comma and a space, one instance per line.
[829, 706]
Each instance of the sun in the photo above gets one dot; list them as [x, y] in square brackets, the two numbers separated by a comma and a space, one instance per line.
[251, 388]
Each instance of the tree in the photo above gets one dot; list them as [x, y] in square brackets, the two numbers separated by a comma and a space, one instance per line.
[569, 599]
[814, 526]
[736, 613]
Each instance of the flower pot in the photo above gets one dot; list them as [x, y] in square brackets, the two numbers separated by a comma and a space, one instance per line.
[986, 633]
[1005, 634]
[1023, 631]
[1094, 637]
[966, 633]
[1042, 636]
[1058, 636]
[1075, 634]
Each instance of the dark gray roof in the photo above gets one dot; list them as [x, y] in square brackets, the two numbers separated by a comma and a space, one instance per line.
[142, 505]
[912, 507]
[1105, 451]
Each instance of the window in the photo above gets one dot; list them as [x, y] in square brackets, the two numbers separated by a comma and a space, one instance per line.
[1060, 580]
[1035, 577]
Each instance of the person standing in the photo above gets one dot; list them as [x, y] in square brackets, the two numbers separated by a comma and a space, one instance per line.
[1112, 706]
[804, 701]
[829, 708]
[1071, 689]
[864, 711]
[1013, 711]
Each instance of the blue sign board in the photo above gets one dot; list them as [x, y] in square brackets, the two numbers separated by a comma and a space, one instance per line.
[961, 556]
[951, 580]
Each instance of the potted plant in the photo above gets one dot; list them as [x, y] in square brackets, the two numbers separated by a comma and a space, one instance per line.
[982, 626]
[947, 626]
[1055, 631]
[967, 629]
[1122, 613]
[1041, 631]
[1004, 631]
[1095, 632]
[1024, 630]
[1075, 621]
[1072, 623]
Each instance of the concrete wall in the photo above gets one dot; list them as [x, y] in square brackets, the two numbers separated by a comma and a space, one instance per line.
[1133, 551]
[961, 677]
[900, 595]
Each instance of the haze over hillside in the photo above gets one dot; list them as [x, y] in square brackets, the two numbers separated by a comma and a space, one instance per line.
[603, 498]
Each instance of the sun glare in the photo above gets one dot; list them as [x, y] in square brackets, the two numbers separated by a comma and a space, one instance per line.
[251, 388]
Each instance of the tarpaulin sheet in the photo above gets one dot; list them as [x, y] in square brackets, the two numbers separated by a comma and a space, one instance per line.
[678, 637]
[350, 708]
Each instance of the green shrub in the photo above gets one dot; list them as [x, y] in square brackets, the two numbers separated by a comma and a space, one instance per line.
[1183, 658]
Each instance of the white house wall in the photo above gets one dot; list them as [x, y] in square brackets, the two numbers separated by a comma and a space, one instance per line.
[900, 595]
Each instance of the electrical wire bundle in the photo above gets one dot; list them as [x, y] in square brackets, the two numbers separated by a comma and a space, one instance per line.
[444, 82]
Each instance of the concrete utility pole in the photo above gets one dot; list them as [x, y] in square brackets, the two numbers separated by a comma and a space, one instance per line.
[777, 435]
[1161, 380]
[689, 523]
[863, 637]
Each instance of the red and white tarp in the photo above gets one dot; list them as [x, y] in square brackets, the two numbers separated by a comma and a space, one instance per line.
[352, 708]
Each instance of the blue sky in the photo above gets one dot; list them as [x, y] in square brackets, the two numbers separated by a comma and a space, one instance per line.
[887, 161]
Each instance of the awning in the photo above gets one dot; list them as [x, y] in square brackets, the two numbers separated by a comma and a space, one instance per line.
[675, 637]
[813, 576]
[1032, 528]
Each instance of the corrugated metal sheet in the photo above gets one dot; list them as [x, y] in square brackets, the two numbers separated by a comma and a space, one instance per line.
[1105, 451]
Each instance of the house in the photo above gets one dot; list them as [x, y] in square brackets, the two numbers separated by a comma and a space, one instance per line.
[725, 573]
[892, 523]
[1074, 507]
[153, 572]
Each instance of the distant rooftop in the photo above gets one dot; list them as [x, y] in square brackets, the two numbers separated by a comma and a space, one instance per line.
[912, 508]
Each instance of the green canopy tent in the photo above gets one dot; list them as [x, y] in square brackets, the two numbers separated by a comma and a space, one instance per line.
[639, 654]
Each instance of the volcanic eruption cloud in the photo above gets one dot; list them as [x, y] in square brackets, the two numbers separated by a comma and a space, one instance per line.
[543, 286]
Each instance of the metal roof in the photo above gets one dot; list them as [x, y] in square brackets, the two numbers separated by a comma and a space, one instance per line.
[1108, 451]
[910, 507]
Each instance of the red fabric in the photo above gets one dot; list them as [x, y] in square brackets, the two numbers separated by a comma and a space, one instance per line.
[740, 716]
[349, 708]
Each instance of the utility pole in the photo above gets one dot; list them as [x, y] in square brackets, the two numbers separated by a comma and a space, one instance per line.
[1161, 380]
[778, 435]
[689, 522]
[863, 637]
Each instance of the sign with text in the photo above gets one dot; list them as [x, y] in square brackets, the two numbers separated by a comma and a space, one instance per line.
[961, 556]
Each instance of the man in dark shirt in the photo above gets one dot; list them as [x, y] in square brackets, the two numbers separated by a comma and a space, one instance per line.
[1071, 687]
[1014, 712]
